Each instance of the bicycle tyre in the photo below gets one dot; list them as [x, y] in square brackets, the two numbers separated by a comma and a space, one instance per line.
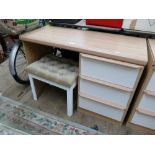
[13, 62]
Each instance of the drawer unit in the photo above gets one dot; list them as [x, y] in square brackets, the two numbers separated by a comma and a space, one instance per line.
[112, 71]
[151, 84]
[100, 108]
[103, 91]
[107, 85]
[146, 121]
[142, 114]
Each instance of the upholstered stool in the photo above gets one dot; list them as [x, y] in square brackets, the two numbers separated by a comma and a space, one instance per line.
[55, 71]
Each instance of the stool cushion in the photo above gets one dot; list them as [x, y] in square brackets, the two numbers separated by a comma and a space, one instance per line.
[55, 69]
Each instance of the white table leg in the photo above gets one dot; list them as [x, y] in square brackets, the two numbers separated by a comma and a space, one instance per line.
[33, 88]
[70, 102]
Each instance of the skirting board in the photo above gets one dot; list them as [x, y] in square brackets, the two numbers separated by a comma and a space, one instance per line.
[99, 116]
[140, 128]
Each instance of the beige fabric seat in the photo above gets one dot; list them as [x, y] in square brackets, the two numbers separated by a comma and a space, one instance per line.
[55, 69]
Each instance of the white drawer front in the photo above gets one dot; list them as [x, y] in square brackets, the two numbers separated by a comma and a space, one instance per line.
[151, 85]
[110, 72]
[144, 120]
[147, 103]
[104, 92]
[101, 109]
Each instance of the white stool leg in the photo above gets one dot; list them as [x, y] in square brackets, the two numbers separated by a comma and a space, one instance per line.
[33, 88]
[70, 102]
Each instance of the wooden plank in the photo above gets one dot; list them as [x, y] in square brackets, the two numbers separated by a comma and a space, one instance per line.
[113, 46]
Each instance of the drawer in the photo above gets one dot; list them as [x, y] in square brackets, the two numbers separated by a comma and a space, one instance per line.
[147, 102]
[144, 120]
[151, 84]
[104, 92]
[101, 109]
[112, 71]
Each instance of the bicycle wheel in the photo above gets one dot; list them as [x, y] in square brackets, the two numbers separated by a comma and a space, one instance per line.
[18, 63]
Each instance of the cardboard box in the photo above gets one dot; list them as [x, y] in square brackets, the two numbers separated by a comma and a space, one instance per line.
[144, 25]
[16, 26]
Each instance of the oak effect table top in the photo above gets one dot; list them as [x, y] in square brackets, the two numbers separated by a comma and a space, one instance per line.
[152, 46]
[113, 46]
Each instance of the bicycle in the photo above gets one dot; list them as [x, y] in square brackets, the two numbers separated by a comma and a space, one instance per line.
[17, 58]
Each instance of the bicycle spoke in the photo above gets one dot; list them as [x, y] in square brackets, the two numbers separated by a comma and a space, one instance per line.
[21, 57]
[23, 75]
[21, 68]
[22, 53]
[22, 71]
[20, 64]
[21, 49]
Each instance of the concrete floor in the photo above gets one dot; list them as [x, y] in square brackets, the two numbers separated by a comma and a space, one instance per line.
[53, 101]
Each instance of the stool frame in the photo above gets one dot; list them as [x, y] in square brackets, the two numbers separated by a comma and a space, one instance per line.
[68, 89]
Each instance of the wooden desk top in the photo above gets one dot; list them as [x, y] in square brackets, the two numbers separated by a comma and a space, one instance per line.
[152, 46]
[113, 46]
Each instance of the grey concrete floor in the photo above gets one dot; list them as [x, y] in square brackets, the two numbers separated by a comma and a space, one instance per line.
[53, 101]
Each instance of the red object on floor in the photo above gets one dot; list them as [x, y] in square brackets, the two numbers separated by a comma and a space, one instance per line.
[113, 23]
